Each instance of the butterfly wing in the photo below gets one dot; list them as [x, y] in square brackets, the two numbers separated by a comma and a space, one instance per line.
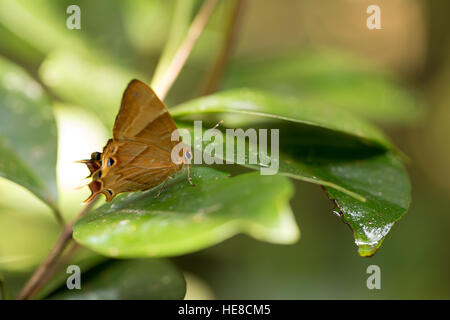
[143, 117]
[139, 155]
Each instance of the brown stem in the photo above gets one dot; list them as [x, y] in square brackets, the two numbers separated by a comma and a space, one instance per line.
[180, 57]
[227, 48]
[39, 277]
[54, 268]
[58, 216]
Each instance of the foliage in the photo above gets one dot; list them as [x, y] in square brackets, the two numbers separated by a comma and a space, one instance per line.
[310, 98]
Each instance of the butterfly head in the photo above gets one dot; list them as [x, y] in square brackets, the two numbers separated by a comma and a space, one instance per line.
[93, 164]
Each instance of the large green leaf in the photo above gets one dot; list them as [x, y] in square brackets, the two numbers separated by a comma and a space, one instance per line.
[370, 187]
[28, 139]
[140, 279]
[330, 77]
[257, 103]
[367, 181]
[385, 185]
[310, 144]
[185, 218]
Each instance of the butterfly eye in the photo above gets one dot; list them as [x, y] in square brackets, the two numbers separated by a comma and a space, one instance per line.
[188, 155]
[96, 156]
[110, 162]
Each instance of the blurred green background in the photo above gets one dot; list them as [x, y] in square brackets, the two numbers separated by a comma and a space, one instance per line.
[398, 77]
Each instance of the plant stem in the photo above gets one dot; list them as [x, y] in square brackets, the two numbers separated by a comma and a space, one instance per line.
[163, 86]
[58, 216]
[227, 47]
[63, 260]
[181, 20]
[39, 276]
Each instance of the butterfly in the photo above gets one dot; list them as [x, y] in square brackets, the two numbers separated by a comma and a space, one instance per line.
[139, 156]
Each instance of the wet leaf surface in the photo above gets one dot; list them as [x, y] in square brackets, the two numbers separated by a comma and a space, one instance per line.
[187, 218]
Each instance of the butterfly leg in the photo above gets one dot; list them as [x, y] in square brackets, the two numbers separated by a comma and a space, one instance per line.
[189, 175]
[161, 189]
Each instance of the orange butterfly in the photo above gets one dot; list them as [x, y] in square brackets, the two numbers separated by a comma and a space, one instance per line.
[138, 157]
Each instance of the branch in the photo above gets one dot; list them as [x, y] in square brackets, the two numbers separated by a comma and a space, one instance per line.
[58, 265]
[162, 87]
[227, 48]
[181, 20]
[38, 278]
[58, 216]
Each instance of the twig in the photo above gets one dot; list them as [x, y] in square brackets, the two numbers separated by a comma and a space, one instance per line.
[58, 216]
[64, 260]
[181, 55]
[181, 21]
[39, 276]
[227, 48]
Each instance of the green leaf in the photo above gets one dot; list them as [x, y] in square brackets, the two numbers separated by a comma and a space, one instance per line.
[302, 112]
[185, 218]
[140, 279]
[385, 185]
[329, 77]
[28, 139]
[312, 144]
[368, 181]
[370, 186]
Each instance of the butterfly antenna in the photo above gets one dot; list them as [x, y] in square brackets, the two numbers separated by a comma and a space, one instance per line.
[82, 161]
[79, 187]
